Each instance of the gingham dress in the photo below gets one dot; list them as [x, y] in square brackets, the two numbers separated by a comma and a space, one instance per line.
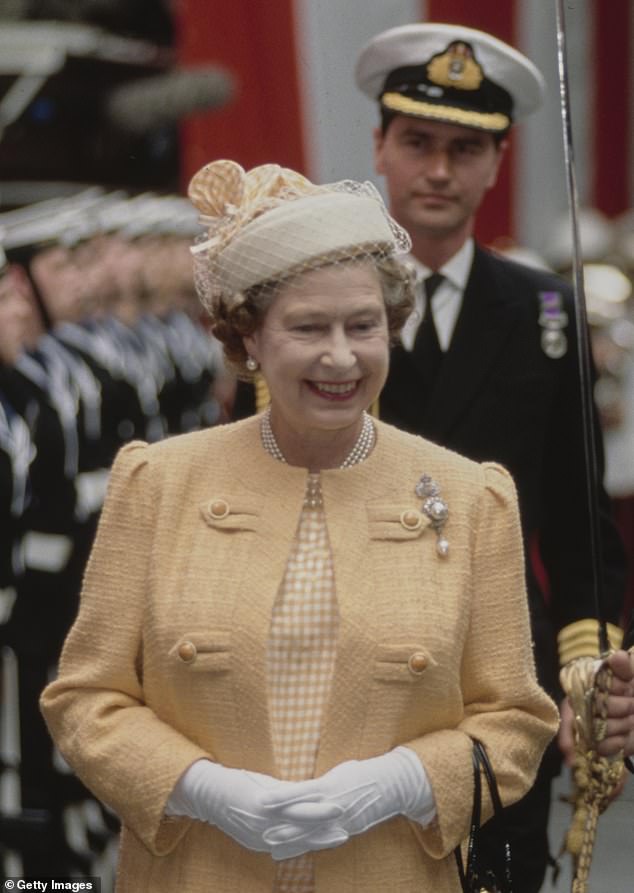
[300, 663]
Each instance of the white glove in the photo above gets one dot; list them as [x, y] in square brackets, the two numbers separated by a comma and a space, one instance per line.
[367, 791]
[239, 803]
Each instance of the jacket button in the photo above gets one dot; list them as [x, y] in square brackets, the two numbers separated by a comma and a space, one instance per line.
[218, 509]
[417, 663]
[411, 520]
[187, 652]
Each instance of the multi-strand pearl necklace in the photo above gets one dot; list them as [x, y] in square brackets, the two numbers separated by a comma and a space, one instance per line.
[360, 451]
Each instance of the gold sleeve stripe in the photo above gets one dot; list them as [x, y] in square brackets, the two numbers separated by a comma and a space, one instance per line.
[495, 121]
[581, 639]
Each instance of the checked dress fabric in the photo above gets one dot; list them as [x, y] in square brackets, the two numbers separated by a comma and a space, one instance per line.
[300, 663]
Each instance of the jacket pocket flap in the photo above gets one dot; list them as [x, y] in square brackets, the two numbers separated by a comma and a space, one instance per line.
[389, 521]
[407, 662]
[202, 651]
[230, 514]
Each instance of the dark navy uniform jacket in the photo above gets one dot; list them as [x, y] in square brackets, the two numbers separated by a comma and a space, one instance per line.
[499, 396]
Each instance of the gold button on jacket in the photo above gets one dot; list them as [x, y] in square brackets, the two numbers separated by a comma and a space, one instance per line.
[218, 509]
[187, 651]
[412, 519]
[417, 663]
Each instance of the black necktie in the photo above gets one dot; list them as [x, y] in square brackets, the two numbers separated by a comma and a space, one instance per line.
[427, 351]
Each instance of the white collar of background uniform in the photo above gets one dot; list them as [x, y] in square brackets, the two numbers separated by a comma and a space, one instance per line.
[447, 298]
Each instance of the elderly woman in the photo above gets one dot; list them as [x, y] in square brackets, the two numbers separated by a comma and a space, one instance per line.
[293, 626]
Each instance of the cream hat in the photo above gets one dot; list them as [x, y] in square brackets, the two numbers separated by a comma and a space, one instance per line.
[450, 73]
[271, 222]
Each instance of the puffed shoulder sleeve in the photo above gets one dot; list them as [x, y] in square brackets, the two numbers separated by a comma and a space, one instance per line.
[503, 705]
[95, 708]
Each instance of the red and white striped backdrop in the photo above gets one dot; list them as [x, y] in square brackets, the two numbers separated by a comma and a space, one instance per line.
[297, 104]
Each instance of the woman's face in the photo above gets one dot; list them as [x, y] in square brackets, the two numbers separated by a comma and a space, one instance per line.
[323, 348]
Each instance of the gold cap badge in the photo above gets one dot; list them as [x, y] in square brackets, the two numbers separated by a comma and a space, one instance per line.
[456, 67]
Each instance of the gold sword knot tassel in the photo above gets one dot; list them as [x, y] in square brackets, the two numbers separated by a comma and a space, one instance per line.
[586, 681]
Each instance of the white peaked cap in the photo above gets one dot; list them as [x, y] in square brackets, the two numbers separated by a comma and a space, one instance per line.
[451, 73]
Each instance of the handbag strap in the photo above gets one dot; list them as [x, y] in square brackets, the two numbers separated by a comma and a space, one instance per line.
[481, 760]
[469, 880]
[473, 825]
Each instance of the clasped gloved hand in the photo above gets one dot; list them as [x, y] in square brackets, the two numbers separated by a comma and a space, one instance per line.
[245, 805]
[367, 792]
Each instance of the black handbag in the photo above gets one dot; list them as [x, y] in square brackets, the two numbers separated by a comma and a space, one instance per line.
[476, 877]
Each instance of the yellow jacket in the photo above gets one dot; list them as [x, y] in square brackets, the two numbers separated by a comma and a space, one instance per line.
[166, 662]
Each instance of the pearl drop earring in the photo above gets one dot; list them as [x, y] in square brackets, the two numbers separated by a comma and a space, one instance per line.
[251, 364]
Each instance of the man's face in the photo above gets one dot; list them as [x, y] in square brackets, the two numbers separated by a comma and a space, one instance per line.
[57, 277]
[436, 174]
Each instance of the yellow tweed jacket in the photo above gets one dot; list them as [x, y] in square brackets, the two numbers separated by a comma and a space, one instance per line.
[166, 661]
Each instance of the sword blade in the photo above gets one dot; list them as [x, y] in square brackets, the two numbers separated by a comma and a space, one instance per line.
[583, 337]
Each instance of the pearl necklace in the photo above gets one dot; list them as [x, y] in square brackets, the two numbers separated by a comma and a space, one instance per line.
[360, 451]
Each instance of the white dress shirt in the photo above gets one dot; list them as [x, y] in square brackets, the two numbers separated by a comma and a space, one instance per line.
[447, 297]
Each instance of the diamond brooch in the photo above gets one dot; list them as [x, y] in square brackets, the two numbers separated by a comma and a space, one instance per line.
[435, 507]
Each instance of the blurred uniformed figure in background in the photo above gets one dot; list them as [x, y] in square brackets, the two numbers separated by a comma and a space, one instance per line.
[16, 448]
[608, 267]
[100, 344]
[59, 399]
[487, 365]
[612, 285]
[16, 454]
[619, 436]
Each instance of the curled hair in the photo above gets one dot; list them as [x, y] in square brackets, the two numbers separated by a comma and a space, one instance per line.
[244, 317]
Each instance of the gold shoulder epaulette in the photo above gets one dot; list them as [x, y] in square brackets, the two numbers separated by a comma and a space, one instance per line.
[581, 639]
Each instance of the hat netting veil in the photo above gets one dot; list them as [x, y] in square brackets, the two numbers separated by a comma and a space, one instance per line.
[270, 223]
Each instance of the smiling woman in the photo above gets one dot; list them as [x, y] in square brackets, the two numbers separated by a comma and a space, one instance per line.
[308, 292]
[290, 626]
[323, 350]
